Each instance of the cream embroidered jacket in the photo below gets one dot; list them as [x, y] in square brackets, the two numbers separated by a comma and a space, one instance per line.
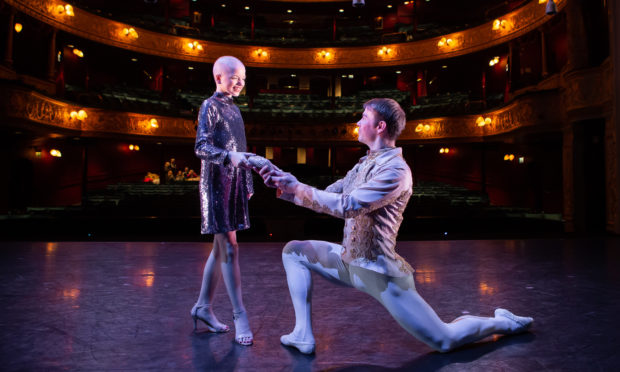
[371, 199]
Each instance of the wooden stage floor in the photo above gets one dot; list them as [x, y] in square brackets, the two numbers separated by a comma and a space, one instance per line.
[124, 306]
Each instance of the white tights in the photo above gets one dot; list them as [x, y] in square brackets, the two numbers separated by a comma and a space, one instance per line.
[396, 294]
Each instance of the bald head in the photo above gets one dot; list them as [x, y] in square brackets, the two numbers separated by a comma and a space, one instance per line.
[226, 65]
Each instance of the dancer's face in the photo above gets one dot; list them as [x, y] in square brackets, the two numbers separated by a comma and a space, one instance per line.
[231, 81]
[368, 126]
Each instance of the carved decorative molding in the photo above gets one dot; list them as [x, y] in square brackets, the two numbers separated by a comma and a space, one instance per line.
[106, 31]
[588, 92]
[538, 109]
[35, 107]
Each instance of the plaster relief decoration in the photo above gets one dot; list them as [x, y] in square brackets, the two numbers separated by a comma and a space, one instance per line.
[106, 31]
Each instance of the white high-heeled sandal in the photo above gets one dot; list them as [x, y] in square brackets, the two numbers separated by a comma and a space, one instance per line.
[242, 336]
[211, 326]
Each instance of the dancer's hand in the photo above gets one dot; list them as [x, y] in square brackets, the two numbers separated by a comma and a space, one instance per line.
[240, 159]
[286, 182]
[267, 172]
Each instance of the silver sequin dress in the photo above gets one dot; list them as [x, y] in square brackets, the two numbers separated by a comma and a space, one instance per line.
[223, 188]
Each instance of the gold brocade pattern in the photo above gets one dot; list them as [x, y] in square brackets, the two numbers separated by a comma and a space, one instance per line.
[371, 198]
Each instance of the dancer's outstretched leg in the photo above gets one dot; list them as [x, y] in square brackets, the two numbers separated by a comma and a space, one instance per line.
[232, 279]
[410, 310]
[202, 310]
[299, 257]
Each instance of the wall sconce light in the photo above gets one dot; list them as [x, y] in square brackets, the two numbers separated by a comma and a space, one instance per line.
[509, 157]
[134, 147]
[65, 10]
[500, 24]
[18, 27]
[483, 121]
[422, 128]
[446, 42]
[494, 61]
[194, 45]
[325, 55]
[384, 52]
[261, 53]
[78, 52]
[55, 153]
[444, 150]
[80, 115]
[130, 32]
[154, 123]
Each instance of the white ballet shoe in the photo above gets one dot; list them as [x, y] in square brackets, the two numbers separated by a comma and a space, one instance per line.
[303, 347]
[522, 323]
[201, 312]
[243, 334]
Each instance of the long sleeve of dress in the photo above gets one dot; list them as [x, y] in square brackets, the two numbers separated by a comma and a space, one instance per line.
[204, 148]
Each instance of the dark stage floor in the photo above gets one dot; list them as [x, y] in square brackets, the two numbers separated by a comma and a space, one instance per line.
[125, 306]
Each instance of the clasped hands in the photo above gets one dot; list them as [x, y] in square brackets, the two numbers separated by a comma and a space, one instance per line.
[271, 174]
[275, 177]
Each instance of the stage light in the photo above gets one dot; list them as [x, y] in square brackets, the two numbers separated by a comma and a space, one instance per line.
[18, 27]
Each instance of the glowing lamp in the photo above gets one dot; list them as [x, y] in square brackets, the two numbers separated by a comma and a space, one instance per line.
[154, 123]
[69, 10]
[487, 121]
[55, 153]
[73, 114]
[385, 51]
[130, 147]
[18, 27]
[356, 131]
[81, 115]
[427, 128]
[78, 53]
[419, 128]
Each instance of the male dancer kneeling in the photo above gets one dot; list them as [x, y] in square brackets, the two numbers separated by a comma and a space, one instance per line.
[371, 199]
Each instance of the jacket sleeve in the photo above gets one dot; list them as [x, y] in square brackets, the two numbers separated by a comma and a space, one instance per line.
[383, 188]
[335, 187]
[204, 149]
